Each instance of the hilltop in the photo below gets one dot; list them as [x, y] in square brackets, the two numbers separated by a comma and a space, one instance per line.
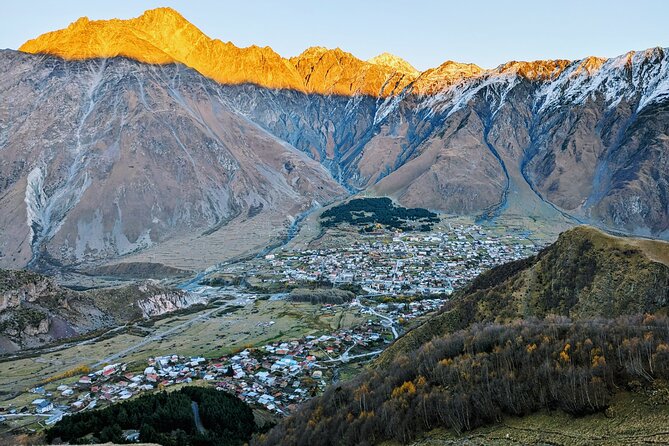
[585, 274]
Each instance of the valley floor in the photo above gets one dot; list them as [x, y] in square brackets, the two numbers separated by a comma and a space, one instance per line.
[224, 327]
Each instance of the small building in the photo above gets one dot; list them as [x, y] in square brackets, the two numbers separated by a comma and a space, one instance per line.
[55, 418]
[38, 390]
[44, 406]
[151, 377]
[85, 379]
[131, 435]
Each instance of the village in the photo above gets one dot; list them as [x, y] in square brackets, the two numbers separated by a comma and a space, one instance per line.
[387, 262]
[277, 376]
[401, 277]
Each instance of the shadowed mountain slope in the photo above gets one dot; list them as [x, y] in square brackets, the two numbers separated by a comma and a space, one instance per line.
[116, 148]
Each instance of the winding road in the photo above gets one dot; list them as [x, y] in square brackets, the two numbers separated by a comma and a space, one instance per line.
[389, 322]
[345, 357]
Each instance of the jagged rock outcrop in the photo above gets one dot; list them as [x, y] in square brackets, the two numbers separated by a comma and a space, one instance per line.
[162, 36]
[35, 310]
[159, 301]
[23, 286]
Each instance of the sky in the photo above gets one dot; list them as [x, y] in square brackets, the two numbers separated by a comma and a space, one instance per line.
[425, 33]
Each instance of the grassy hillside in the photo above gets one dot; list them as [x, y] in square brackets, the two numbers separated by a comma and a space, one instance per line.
[632, 419]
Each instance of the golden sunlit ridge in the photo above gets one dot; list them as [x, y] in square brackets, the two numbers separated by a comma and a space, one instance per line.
[163, 36]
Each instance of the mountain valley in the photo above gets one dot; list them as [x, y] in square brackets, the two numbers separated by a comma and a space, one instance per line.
[353, 252]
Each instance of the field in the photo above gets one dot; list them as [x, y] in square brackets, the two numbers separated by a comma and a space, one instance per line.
[212, 332]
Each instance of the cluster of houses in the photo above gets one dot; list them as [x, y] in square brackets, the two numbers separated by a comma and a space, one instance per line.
[404, 263]
[410, 310]
[111, 384]
[281, 375]
[277, 376]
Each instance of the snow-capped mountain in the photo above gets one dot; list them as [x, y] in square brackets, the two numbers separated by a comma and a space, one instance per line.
[169, 141]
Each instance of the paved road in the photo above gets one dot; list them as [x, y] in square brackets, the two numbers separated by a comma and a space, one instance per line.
[19, 415]
[196, 415]
[388, 320]
[347, 358]
[390, 323]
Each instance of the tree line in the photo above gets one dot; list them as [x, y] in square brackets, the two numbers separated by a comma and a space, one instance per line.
[321, 296]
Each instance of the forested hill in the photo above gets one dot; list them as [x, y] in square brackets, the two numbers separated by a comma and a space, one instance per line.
[566, 330]
[585, 274]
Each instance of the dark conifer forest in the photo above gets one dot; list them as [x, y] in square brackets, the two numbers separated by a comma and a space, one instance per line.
[163, 418]
[369, 211]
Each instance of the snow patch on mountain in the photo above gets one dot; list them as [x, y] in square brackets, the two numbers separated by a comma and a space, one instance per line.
[495, 87]
[642, 76]
[387, 106]
[35, 200]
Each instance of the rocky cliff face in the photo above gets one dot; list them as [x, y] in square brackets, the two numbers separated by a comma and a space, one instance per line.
[162, 36]
[157, 300]
[107, 156]
[586, 139]
[35, 310]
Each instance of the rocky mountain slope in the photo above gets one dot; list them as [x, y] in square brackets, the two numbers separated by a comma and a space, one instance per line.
[35, 310]
[108, 157]
[145, 135]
